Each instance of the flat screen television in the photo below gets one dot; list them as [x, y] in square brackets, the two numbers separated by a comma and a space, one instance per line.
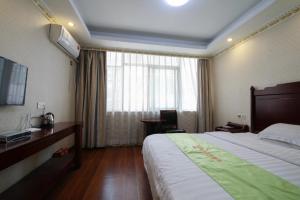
[13, 78]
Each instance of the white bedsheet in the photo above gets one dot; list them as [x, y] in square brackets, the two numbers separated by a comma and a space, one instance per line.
[174, 176]
[279, 150]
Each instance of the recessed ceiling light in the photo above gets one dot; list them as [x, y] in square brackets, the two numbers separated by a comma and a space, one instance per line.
[176, 3]
[71, 24]
[229, 40]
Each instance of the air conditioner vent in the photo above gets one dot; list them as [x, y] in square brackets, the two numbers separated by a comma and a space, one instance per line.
[64, 40]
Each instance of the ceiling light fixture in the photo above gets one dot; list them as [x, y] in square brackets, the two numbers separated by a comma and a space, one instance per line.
[71, 24]
[229, 40]
[176, 3]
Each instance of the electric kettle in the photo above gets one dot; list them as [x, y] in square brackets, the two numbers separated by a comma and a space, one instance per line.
[48, 120]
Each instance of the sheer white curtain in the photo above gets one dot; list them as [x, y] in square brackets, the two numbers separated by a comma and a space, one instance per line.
[139, 85]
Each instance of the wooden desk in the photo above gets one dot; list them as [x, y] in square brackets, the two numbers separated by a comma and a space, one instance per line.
[152, 125]
[38, 183]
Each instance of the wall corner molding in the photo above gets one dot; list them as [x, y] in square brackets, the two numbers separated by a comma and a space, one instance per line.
[266, 27]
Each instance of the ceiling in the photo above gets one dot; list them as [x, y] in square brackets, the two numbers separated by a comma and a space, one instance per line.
[200, 27]
[155, 17]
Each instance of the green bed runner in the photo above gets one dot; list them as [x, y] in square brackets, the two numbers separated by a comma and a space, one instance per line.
[241, 179]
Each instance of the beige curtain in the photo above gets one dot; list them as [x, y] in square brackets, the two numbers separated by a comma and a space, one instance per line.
[204, 100]
[91, 97]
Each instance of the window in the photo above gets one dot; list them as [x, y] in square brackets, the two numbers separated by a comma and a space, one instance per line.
[140, 82]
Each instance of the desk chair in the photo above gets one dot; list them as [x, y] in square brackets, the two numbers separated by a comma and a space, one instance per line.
[169, 122]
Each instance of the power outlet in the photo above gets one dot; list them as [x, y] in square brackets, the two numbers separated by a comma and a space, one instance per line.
[41, 105]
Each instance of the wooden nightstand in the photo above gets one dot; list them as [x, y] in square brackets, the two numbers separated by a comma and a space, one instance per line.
[233, 128]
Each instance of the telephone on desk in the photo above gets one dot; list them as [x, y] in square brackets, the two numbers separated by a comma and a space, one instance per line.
[233, 128]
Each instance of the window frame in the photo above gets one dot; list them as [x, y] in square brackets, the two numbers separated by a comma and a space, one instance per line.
[149, 67]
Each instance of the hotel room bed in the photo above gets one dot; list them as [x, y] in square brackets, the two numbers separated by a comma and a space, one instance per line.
[173, 175]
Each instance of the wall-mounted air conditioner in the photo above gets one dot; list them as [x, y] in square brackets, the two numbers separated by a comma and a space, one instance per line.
[64, 40]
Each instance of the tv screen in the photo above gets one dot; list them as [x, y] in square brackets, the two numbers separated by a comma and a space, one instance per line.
[13, 77]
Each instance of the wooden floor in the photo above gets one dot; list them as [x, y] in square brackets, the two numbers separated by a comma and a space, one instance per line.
[110, 174]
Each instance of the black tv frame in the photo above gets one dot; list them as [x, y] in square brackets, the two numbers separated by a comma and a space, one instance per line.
[25, 89]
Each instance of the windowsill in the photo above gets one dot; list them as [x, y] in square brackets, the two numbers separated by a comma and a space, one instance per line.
[147, 112]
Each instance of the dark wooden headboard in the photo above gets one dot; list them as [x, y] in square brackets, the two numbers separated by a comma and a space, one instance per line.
[278, 104]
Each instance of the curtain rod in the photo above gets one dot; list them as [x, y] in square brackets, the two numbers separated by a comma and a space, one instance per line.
[144, 52]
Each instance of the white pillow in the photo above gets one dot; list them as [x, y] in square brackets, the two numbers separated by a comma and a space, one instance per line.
[282, 132]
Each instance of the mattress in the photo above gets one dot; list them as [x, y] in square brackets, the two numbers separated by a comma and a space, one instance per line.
[173, 176]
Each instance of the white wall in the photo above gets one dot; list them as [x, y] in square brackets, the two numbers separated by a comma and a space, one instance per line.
[24, 39]
[270, 58]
